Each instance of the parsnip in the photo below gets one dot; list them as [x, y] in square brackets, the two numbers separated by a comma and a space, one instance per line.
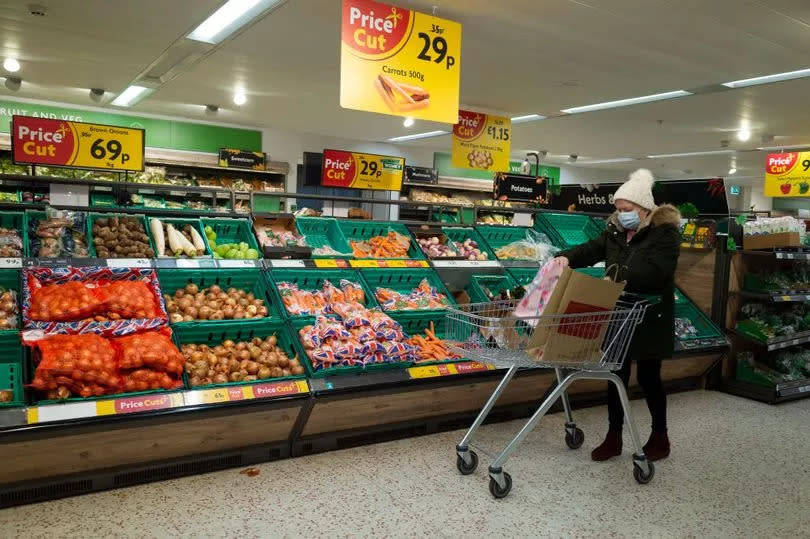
[175, 243]
[197, 240]
[188, 247]
[157, 234]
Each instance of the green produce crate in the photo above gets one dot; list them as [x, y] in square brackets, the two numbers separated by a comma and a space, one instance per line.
[312, 279]
[706, 329]
[179, 223]
[231, 231]
[405, 280]
[494, 283]
[356, 230]
[91, 219]
[323, 232]
[498, 236]
[195, 333]
[746, 373]
[103, 200]
[522, 276]
[567, 230]
[11, 368]
[16, 220]
[462, 233]
[415, 323]
[297, 324]
[251, 280]
[10, 280]
[10, 195]
[31, 215]
[265, 203]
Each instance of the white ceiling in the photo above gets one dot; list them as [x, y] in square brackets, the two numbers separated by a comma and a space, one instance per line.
[518, 57]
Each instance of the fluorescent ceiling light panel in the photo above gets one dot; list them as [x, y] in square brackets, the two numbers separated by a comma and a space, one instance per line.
[527, 118]
[233, 15]
[767, 79]
[627, 102]
[132, 95]
[690, 154]
[782, 148]
[417, 136]
[605, 161]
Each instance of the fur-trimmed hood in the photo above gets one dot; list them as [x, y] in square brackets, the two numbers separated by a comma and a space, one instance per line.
[665, 214]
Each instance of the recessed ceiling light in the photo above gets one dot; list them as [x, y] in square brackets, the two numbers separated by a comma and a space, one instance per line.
[417, 136]
[627, 102]
[229, 18]
[527, 118]
[11, 65]
[408, 122]
[766, 79]
[239, 98]
[744, 134]
[132, 95]
[732, 170]
[689, 154]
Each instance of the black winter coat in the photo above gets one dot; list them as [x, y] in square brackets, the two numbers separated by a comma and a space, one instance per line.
[647, 263]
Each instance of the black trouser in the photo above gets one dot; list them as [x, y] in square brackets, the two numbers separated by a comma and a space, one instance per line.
[649, 378]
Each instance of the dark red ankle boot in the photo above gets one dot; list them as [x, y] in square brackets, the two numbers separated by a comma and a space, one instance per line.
[657, 447]
[611, 447]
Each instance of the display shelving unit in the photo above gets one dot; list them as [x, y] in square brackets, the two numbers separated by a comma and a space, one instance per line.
[121, 441]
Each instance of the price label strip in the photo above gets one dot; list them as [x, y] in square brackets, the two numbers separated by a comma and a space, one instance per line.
[244, 392]
[129, 263]
[236, 263]
[10, 262]
[448, 369]
[118, 406]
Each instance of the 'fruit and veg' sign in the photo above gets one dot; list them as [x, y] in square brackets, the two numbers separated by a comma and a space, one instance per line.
[362, 170]
[43, 141]
[482, 141]
[397, 61]
[787, 175]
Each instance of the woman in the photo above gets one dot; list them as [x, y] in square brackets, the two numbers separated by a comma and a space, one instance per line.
[640, 245]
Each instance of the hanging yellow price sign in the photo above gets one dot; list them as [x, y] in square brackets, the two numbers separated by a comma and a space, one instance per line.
[397, 61]
[482, 141]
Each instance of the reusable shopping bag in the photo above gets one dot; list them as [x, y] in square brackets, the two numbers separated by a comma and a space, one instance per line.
[540, 291]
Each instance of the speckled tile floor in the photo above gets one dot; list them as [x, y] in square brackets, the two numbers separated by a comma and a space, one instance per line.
[738, 469]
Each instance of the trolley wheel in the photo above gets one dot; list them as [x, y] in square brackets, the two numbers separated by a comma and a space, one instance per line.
[639, 474]
[496, 490]
[463, 467]
[575, 440]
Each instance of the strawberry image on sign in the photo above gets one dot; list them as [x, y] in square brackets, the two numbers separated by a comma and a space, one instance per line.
[785, 188]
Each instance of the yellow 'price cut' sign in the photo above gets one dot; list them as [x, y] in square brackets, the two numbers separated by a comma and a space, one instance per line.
[397, 61]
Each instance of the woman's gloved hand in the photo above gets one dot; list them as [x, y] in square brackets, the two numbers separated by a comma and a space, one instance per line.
[561, 260]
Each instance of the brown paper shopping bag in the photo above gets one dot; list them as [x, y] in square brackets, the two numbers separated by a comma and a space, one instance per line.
[576, 338]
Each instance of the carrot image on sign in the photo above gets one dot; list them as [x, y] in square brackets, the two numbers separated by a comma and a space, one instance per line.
[401, 97]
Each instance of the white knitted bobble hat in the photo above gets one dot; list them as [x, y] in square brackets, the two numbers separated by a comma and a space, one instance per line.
[638, 189]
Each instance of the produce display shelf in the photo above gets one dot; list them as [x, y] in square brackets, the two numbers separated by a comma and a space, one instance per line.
[774, 343]
[782, 296]
[415, 323]
[313, 279]
[462, 233]
[93, 216]
[496, 236]
[178, 224]
[11, 368]
[230, 231]
[357, 230]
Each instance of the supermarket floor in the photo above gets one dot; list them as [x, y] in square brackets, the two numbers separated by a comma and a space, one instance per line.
[738, 469]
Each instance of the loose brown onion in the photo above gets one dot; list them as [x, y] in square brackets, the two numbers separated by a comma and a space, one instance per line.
[201, 373]
[252, 310]
[236, 376]
[200, 364]
[204, 312]
[228, 312]
[192, 311]
[256, 341]
[228, 343]
[231, 302]
[272, 340]
[238, 315]
[263, 311]
[220, 379]
[214, 288]
[233, 364]
[244, 354]
[252, 367]
[243, 364]
[179, 293]
[195, 381]
[175, 318]
[243, 302]
[241, 345]
[298, 369]
[216, 315]
[283, 362]
[212, 360]
[264, 372]
[266, 346]
[250, 378]
[196, 356]
[187, 318]
[213, 305]
[192, 288]
[285, 372]
[220, 350]
[255, 352]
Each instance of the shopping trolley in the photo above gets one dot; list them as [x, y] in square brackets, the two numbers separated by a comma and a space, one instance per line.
[594, 343]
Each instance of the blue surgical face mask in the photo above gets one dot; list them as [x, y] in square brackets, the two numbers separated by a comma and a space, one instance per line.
[629, 219]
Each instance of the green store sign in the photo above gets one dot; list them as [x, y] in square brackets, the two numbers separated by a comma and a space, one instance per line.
[169, 134]
[442, 162]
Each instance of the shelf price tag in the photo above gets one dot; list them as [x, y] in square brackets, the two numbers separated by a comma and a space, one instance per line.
[400, 62]
[208, 396]
[10, 262]
[325, 263]
[432, 371]
[236, 263]
[129, 263]
[287, 263]
[43, 141]
[362, 263]
[187, 263]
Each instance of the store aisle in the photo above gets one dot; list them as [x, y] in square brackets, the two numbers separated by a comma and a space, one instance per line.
[739, 469]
